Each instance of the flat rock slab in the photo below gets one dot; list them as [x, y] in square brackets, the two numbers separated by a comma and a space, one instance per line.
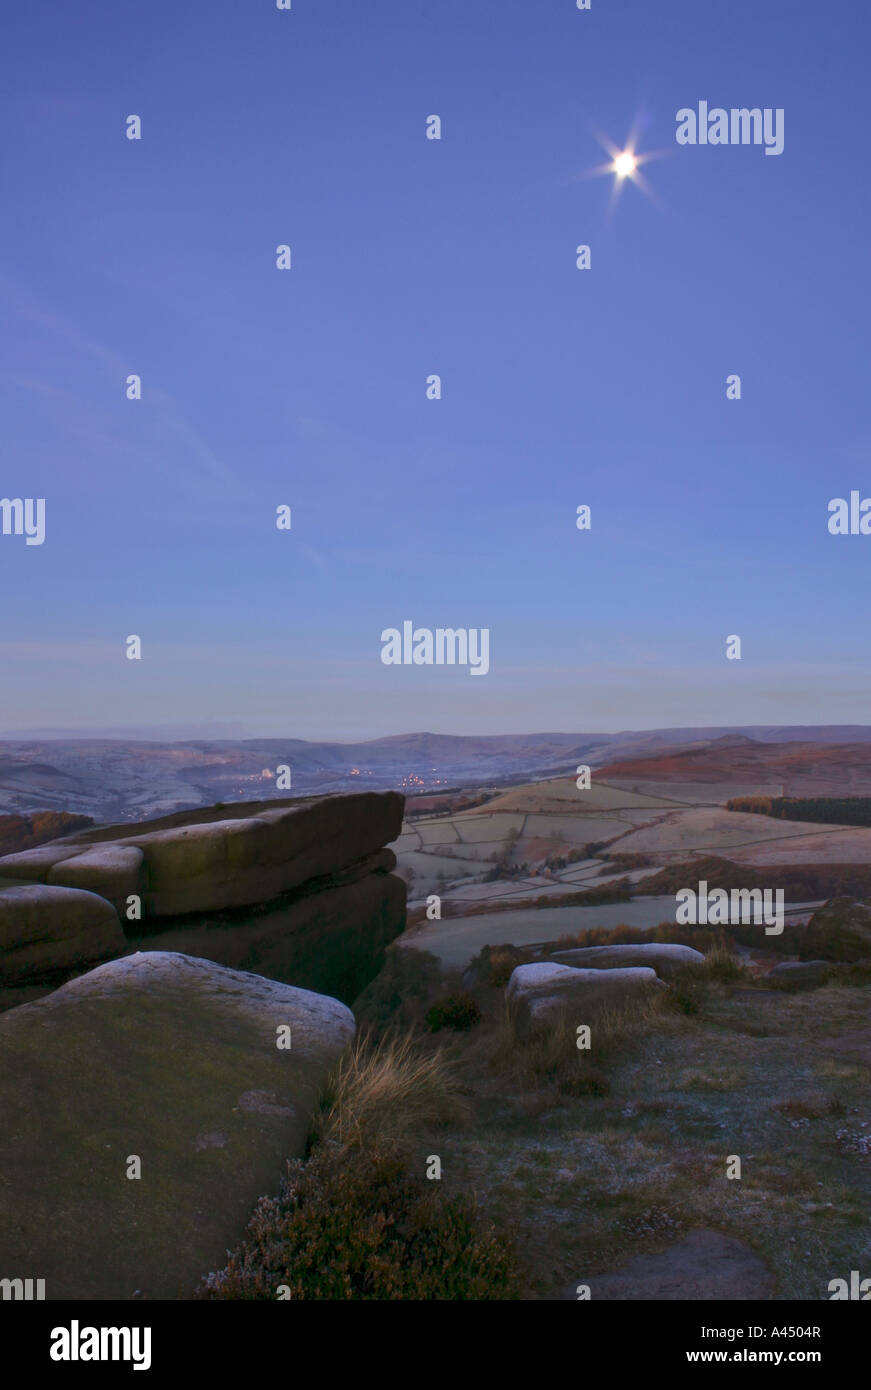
[537, 994]
[221, 857]
[114, 871]
[705, 1265]
[171, 1059]
[46, 931]
[663, 957]
[807, 973]
[32, 865]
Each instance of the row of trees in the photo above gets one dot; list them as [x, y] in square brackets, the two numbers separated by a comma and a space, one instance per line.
[830, 810]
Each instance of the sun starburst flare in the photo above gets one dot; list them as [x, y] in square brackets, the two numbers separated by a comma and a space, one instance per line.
[625, 165]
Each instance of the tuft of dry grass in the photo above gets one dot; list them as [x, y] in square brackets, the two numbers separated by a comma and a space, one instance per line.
[720, 965]
[551, 1057]
[387, 1091]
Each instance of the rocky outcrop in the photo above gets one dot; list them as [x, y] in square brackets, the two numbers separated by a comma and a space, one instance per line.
[840, 931]
[223, 857]
[45, 931]
[173, 1062]
[539, 995]
[300, 891]
[663, 957]
[113, 871]
[332, 940]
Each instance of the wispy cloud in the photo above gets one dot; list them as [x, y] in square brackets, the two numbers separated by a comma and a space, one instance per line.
[169, 444]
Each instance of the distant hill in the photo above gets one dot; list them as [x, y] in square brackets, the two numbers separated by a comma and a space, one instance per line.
[124, 780]
[802, 769]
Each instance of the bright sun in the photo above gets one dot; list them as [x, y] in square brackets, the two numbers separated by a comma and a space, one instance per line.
[625, 164]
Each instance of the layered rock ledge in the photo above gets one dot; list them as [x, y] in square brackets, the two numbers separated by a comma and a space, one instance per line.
[296, 890]
[220, 857]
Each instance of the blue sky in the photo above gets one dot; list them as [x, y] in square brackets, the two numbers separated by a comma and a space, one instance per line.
[413, 257]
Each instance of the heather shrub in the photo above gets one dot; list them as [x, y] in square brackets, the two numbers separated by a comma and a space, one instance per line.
[493, 965]
[357, 1224]
[684, 997]
[458, 1011]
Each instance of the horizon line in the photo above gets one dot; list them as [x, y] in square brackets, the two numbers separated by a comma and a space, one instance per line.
[125, 734]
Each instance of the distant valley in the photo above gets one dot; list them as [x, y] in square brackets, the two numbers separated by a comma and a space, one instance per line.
[126, 780]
